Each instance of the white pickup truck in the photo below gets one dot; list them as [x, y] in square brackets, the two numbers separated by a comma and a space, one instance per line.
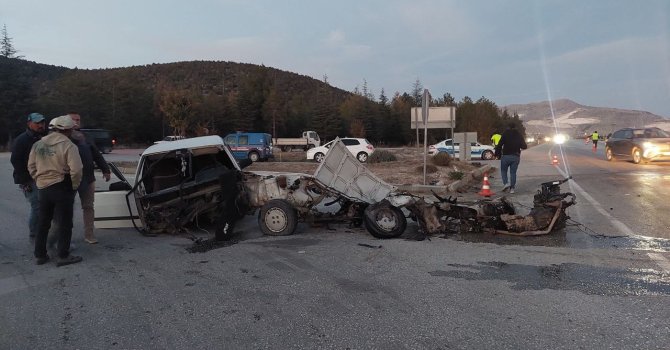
[309, 139]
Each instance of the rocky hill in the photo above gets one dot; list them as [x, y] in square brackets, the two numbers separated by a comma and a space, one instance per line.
[575, 119]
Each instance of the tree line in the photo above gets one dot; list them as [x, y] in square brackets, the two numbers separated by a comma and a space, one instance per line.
[141, 104]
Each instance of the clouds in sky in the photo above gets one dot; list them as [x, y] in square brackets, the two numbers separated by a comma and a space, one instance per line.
[602, 53]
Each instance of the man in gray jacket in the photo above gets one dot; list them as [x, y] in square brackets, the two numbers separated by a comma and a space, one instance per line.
[55, 164]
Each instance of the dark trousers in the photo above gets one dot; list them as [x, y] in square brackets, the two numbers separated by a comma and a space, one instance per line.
[56, 202]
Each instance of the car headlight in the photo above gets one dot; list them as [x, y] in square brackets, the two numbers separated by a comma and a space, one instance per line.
[559, 139]
[650, 148]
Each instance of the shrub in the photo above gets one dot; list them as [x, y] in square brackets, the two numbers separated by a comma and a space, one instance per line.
[455, 175]
[381, 156]
[429, 169]
[442, 159]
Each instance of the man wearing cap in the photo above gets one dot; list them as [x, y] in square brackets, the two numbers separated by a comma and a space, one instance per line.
[20, 152]
[55, 164]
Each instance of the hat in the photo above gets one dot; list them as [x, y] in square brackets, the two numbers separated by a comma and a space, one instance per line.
[64, 122]
[35, 118]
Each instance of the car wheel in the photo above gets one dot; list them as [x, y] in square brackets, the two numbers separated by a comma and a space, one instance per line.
[637, 155]
[254, 156]
[488, 155]
[608, 154]
[277, 218]
[319, 157]
[362, 157]
[383, 220]
[287, 148]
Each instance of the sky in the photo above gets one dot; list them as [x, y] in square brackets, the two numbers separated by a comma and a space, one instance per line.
[611, 53]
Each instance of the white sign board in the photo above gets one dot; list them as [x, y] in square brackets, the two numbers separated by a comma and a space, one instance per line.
[438, 117]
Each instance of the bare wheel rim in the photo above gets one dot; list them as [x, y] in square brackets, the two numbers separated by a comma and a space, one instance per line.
[276, 220]
[386, 220]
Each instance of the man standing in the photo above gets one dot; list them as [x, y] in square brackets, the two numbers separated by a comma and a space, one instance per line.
[495, 139]
[89, 155]
[509, 148]
[594, 138]
[55, 165]
[20, 152]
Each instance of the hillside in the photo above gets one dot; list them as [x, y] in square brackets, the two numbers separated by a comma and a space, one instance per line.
[575, 119]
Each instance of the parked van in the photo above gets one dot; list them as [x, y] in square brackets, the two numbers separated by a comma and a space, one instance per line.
[255, 146]
[101, 138]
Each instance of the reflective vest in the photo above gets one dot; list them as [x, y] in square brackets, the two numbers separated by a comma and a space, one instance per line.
[496, 138]
[594, 136]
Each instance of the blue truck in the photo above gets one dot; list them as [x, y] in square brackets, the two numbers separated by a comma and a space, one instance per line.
[255, 146]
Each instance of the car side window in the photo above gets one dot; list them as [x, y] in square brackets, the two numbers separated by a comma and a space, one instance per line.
[628, 134]
[244, 140]
[350, 142]
[230, 140]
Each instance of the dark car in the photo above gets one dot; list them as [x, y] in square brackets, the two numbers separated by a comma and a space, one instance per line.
[638, 144]
[101, 138]
[256, 146]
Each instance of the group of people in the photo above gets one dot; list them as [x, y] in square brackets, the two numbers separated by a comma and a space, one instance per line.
[51, 166]
[508, 148]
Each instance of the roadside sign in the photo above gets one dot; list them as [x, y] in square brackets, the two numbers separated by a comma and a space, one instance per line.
[440, 117]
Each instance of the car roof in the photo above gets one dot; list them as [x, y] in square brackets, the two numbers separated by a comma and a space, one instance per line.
[191, 143]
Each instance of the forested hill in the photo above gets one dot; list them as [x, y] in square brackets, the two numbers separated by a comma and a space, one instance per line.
[141, 104]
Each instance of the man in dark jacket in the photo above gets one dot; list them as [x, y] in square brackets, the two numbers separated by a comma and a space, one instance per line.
[90, 156]
[509, 150]
[20, 152]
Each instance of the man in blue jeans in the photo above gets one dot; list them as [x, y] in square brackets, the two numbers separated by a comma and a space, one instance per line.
[20, 151]
[509, 151]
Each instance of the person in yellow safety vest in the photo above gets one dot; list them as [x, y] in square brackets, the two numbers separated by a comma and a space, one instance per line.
[594, 138]
[495, 139]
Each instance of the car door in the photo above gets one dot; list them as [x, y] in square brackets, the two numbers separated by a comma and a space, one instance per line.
[352, 145]
[115, 207]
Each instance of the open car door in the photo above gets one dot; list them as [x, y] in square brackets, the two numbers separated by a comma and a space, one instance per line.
[113, 207]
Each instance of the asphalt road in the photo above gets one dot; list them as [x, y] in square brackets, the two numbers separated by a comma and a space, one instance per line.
[593, 286]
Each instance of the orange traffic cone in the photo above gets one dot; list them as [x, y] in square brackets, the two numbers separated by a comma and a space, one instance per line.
[554, 160]
[486, 187]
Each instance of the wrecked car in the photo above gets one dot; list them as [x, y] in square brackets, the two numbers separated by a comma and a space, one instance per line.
[182, 182]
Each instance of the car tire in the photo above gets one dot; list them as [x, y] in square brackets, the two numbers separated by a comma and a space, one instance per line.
[362, 157]
[277, 218]
[488, 155]
[319, 157]
[636, 155]
[287, 148]
[254, 157]
[608, 154]
[384, 221]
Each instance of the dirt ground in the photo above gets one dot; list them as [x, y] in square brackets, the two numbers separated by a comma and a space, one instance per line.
[407, 170]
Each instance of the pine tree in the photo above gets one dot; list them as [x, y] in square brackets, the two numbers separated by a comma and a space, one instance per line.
[6, 47]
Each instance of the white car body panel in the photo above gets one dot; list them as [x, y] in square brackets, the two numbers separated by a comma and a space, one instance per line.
[342, 172]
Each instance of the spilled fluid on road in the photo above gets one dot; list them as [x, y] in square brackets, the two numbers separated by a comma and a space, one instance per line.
[587, 279]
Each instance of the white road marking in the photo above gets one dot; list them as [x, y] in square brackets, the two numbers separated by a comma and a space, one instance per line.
[660, 260]
[617, 224]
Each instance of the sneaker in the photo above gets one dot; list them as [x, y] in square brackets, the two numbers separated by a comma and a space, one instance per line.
[505, 188]
[91, 240]
[42, 260]
[69, 260]
[511, 190]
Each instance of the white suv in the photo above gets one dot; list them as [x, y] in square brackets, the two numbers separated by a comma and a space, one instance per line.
[360, 148]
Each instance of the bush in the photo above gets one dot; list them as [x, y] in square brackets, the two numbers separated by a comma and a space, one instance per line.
[455, 175]
[429, 169]
[381, 156]
[442, 159]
